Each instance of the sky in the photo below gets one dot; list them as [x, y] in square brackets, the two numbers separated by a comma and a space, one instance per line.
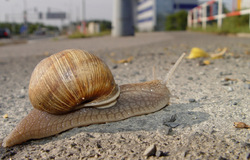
[12, 10]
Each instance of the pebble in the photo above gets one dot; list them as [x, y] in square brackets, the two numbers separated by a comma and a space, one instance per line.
[230, 89]
[190, 78]
[222, 158]
[201, 73]
[21, 96]
[171, 124]
[225, 73]
[204, 97]
[150, 151]
[247, 86]
[248, 137]
[191, 100]
[173, 118]
[224, 83]
[235, 103]
[248, 156]
[136, 73]
[115, 66]
[98, 144]
[161, 154]
[73, 144]
[4, 78]
[164, 130]
[143, 79]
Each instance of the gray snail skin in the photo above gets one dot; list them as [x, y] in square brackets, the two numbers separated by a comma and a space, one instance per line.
[74, 88]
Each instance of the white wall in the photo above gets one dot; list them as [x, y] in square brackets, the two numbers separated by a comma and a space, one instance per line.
[245, 4]
[145, 12]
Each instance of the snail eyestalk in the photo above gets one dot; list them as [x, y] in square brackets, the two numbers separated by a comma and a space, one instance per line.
[170, 73]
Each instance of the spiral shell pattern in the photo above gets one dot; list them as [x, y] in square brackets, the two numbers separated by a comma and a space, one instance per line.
[69, 80]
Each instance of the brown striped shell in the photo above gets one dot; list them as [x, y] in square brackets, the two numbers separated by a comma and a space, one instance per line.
[69, 80]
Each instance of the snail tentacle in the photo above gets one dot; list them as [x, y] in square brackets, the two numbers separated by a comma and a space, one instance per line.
[172, 70]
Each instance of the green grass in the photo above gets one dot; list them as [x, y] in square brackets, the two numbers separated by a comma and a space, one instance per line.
[224, 29]
[230, 25]
[81, 35]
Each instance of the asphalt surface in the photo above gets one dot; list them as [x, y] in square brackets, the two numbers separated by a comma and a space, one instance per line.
[210, 99]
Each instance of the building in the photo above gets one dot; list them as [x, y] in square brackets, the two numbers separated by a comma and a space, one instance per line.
[151, 14]
[93, 28]
[243, 4]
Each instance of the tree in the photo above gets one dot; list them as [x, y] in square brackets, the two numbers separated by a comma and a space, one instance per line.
[177, 21]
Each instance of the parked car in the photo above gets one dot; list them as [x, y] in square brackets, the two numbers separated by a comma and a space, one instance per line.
[5, 33]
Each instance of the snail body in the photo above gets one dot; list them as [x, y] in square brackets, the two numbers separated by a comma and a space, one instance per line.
[132, 100]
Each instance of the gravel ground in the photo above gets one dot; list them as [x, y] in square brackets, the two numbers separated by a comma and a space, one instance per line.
[196, 125]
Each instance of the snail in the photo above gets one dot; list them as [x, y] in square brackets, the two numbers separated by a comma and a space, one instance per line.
[75, 88]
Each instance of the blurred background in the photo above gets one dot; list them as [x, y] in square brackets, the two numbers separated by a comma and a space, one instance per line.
[86, 18]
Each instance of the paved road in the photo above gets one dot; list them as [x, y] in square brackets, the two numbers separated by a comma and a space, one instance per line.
[36, 47]
[207, 107]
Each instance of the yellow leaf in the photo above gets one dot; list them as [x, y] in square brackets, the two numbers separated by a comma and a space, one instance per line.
[206, 62]
[129, 59]
[197, 53]
[5, 116]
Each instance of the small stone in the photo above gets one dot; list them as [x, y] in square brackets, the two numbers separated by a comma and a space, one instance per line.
[225, 83]
[173, 118]
[191, 100]
[248, 156]
[161, 154]
[190, 78]
[225, 73]
[21, 96]
[136, 73]
[115, 66]
[73, 144]
[158, 154]
[222, 158]
[98, 144]
[201, 73]
[150, 151]
[235, 103]
[164, 130]
[143, 79]
[204, 97]
[230, 89]
[247, 86]
[244, 79]
[172, 124]
[4, 78]
[213, 131]
[185, 153]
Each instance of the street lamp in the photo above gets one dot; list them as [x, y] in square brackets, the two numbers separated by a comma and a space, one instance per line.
[25, 21]
[83, 24]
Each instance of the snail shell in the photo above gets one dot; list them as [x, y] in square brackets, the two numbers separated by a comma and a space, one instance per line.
[70, 80]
